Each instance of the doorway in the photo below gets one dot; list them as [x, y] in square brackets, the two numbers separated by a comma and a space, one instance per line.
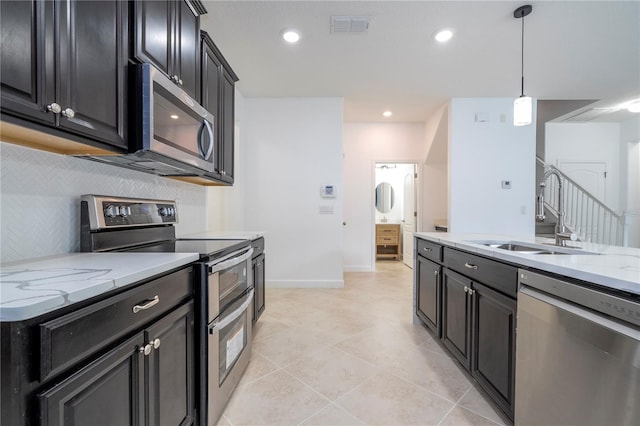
[395, 186]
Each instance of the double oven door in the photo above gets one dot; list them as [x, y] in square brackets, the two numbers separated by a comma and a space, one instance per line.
[230, 309]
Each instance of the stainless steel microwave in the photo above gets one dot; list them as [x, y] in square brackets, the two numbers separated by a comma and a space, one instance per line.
[170, 134]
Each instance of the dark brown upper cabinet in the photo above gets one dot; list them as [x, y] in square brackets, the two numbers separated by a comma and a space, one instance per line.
[218, 97]
[167, 35]
[64, 67]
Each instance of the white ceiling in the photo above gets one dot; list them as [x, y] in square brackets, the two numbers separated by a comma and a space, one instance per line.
[573, 50]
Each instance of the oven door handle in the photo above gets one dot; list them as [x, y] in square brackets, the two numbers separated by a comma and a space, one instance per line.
[230, 263]
[218, 324]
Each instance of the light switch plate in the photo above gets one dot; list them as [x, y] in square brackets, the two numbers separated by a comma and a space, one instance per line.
[506, 184]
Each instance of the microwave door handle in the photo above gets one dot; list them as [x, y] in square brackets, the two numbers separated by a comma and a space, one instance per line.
[205, 154]
[219, 324]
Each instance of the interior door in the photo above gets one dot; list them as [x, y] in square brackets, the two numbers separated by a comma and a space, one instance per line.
[409, 217]
[589, 175]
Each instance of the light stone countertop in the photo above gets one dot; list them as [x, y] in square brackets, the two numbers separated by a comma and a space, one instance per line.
[225, 235]
[612, 266]
[37, 286]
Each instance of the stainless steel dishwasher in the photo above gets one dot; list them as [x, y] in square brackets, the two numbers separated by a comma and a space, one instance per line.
[577, 354]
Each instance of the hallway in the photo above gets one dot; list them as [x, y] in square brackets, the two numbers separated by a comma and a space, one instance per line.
[352, 356]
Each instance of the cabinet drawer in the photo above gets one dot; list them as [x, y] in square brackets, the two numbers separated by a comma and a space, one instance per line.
[75, 336]
[387, 240]
[430, 250]
[491, 273]
[258, 247]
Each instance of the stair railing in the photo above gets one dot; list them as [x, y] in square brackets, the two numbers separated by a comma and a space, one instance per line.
[585, 215]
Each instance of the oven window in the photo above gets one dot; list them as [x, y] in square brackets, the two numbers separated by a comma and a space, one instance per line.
[233, 284]
[233, 340]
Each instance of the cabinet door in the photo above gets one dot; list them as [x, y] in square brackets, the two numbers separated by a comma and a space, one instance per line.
[154, 33]
[493, 361]
[169, 370]
[428, 293]
[228, 128]
[108, 391]
[211, 92]
[92, 68]
[456, 313]
[26, 59]
[187, 54]
[258, 284]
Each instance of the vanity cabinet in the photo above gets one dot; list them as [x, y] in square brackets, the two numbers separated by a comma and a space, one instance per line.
[387, 241]
[123, 359]
[177, 51]
[64, 69]
[218, 97]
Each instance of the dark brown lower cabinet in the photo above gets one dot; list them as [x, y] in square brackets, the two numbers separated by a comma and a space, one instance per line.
[494, 344]
[146, 380]
[456, 316]
[478, 328]
[428, 290]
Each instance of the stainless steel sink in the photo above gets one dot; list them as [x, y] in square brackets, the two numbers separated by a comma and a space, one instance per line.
[529, 248]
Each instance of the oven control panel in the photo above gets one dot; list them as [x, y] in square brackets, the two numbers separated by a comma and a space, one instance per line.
[112, 212]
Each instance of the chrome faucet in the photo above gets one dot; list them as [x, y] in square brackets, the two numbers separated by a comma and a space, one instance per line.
[561, 233]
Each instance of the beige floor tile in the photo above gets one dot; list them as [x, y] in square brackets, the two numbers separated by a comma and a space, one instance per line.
[437, 373]
[276, 399]
[476, 402]
[258, 367]
[463, 417]
[388, 400]
[267, 325]
[332, 416]
[331, 372]
[286, 346]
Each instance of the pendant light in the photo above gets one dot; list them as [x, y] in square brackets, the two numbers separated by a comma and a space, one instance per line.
[522, 106]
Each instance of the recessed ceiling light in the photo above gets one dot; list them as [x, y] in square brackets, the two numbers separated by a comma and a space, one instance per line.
[443, 35]
[175, 117]
[387, 113]
[291, 36]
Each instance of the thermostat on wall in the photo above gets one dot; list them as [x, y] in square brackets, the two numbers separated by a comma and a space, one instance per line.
[328, 191]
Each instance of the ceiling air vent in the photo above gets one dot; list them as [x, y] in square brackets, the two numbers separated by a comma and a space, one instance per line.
[350, 24]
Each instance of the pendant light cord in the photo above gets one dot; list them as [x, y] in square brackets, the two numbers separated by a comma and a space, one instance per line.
[522, 60]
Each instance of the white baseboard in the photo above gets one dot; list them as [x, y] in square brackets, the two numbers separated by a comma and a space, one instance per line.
[357, 268]
[304, 284]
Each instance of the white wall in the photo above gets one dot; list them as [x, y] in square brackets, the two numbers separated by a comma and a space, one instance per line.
[364, 144]
[435, 186]
[630, 139]
[40, 196]
[481, 155]
[589, 142]
[290, 147]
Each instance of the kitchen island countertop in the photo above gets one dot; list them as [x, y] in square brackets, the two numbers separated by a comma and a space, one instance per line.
[37, 286]
[609, 266]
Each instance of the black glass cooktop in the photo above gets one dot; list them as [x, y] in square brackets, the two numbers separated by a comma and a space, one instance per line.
[208, 249]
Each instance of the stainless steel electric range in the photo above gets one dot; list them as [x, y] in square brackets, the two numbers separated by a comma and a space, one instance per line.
[223, 289]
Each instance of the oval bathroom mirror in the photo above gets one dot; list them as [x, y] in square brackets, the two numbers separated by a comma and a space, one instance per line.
[385, 197]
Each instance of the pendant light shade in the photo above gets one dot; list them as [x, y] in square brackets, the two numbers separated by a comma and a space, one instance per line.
[523, 105]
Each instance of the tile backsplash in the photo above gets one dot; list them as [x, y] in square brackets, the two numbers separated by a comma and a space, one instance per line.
[40, 199]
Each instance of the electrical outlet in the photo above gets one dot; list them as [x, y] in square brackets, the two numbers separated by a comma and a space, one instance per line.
[506, 184]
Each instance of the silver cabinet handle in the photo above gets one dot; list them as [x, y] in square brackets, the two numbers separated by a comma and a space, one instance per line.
[466, 289]
[427, 249]
[147, 305]
[68, 112]
[54, 108]
[470, 266]
[146, 349]
[435, 272]
[472, 292]
[180, 81]
[156, 343]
